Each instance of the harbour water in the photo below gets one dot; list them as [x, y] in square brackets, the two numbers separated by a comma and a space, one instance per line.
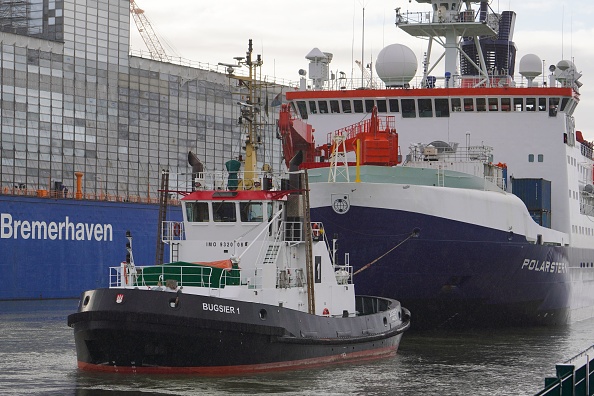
[37, 357]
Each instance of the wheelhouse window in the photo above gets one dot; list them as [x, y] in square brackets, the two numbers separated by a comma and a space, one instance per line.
[334, 108]
[251, 212]
[505, 104]
[394, 108]
[197, 212]
[224, 212]
[369, 103]
[442, 108]
[530, 104]
[346, 106]
[493, 104]
[518, 104]
[313, 107]
[381, 106]
[425, 108]
[408, 108]
[468, 104]
[302, 109]
[564, 103]
[553, 107]
[542, 104]
[456, 104]
[481, 104]
[323, 105]
[358, 104]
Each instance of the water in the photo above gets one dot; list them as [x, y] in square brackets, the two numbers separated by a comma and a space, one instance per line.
[37, 357]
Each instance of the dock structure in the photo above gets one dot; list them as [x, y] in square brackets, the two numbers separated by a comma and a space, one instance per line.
[575, 377]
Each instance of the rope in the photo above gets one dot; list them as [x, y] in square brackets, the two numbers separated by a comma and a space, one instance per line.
[413, 234]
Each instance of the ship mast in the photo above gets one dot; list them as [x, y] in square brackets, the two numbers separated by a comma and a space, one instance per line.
[250, 119]
[461, 32]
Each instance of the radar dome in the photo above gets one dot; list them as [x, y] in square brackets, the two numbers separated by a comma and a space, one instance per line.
[530, 66]
[564, 65]
[396, 65]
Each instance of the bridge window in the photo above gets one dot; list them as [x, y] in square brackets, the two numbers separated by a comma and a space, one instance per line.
[358, 104]
[334, 106]
[197, 212]
[394, 108]
[505, 104]
[251, 212]
[530, 104]
[313, 107]
[481, 104]
[408, 108]
[493, 104]
[346, 106]
[564, 103]
[323, 105]
[369, 103]
[456, 104]
[302, 109]
[553, 107]
[224, 212]
[542, 104]
[425, 108]
[442, 108]
[381, 106]
[468, 104]
[518, 104]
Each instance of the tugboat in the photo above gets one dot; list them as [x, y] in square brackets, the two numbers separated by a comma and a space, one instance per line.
[252, 285]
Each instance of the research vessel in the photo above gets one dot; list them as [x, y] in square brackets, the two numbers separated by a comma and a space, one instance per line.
[467, 193]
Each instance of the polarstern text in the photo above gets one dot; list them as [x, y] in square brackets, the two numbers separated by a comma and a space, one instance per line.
[54, 230]
[544, 266]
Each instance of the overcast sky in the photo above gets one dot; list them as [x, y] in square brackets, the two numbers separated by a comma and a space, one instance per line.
[284, 32]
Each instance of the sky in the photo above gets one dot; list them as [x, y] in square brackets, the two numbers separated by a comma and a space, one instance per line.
[285, 32]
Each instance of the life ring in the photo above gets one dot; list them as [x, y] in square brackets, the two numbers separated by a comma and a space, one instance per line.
[315, 229]
[176, 229]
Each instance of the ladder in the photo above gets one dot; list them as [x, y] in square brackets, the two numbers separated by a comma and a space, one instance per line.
[163, 197]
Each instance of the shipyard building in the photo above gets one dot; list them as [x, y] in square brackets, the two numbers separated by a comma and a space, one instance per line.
[75, 100]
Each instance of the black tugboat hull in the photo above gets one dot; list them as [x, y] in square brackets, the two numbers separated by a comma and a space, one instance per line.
[149, 331]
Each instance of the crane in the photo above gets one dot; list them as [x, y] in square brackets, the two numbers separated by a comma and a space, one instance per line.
[148, 34]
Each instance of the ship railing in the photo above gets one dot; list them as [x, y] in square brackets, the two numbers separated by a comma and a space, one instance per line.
[184, 275]
[225, 180]
[67, 194]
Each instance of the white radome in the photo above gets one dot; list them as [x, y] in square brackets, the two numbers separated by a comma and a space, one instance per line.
[396, 64]
[530, 66]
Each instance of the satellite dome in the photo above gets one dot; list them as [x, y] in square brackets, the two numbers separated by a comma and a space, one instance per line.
[396, 65]
[564, 65]
[530, 66]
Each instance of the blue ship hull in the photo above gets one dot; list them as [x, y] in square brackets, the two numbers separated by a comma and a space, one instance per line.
[73, 251]
[457, 274]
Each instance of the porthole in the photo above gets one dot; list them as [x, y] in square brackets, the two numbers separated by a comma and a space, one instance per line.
[263, 314]
[86, 301]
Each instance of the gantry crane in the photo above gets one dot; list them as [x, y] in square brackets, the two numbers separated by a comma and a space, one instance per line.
[148, 34]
